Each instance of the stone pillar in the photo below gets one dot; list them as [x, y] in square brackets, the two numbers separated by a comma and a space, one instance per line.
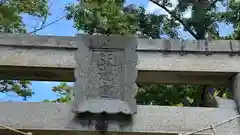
[236, 89]
[226, 103]
[105, 75]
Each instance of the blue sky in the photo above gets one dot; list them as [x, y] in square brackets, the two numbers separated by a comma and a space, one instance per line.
[42, 90]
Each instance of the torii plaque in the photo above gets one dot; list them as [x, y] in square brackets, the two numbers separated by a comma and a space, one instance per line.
[105, 75]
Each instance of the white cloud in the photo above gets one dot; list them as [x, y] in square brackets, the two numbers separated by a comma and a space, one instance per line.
[154, 9]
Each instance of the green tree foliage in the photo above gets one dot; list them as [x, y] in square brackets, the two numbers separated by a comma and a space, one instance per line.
[11, 21]
[64, 92]
[175, 95]
[232, 16]
[203, 18]
[11, 10]
[95, 16]
[21, 88]
[103, 16]
[112, 17]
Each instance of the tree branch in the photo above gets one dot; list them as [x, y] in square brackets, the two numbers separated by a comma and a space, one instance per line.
[212, 4]
[43, 21]
[176, 17]
[179, 19]
[47, 25]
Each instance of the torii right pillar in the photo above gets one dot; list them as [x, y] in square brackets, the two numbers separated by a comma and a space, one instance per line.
[235, 82]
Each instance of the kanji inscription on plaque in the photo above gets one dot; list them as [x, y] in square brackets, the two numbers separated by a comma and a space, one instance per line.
[107, 72]
[105, 75]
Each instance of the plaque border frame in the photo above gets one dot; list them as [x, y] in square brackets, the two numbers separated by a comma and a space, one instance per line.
[88, 43]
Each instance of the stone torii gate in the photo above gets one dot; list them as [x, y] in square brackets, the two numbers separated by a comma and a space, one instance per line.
[105, 72]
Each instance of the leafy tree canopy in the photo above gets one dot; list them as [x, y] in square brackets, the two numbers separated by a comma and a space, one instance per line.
[94, 16]
[11, 10]
[11, 21]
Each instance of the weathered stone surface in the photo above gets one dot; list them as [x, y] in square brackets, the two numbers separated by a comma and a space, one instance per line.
[226, 103]
[56, 63]
[56, 119]
[235, 45]
[37, 41]
[219, 46]
[105, 75]
[159, 45]
[34, 57]
[236, 89]
[153, 67]
[144, 44]
[193, 46]
[190, 62]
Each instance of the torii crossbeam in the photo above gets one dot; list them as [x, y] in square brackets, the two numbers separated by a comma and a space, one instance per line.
[160, 61]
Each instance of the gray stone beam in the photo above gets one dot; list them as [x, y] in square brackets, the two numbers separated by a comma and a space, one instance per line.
[160, 61]
[217, 46]
[55, 119]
